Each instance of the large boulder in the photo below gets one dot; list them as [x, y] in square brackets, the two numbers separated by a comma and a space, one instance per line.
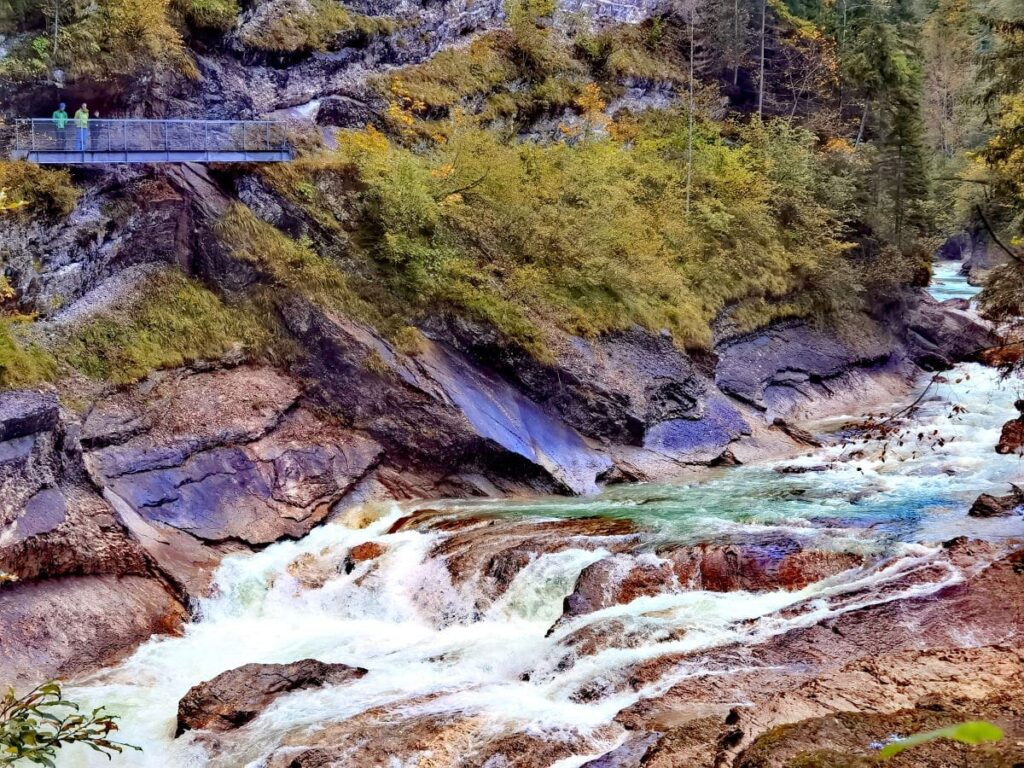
[52, 522]
[438, 408]
[70, 626]
[987, 505]
[224, 455]
[937, 334]
[233, 698]
[1011, 438]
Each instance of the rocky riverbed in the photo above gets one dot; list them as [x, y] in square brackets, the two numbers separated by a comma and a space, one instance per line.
[799, 611]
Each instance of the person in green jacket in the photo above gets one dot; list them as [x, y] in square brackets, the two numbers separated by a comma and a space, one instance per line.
[60, 124]
[82, 127]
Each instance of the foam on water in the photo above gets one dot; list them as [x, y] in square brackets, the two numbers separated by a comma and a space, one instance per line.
[949, 282]
[429, 650]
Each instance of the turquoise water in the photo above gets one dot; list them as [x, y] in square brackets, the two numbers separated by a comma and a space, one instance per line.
[949, 283]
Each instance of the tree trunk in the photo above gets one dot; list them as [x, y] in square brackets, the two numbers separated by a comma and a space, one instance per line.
[863, 123]
[56, 24]
[689, 149]
[736, 55]
[760, 87]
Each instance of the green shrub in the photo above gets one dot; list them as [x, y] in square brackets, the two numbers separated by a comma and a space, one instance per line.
[208, 14]
[588, 236]
[106, 40]
[298, 26]
[173, 321]
[38, 191]
[21, 364]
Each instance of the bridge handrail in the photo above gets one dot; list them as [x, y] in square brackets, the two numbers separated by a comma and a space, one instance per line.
[131, 134]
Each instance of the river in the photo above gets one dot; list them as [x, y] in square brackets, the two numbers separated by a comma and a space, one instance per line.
[429, 652]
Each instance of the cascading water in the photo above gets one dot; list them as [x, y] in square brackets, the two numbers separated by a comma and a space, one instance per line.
[432, 652]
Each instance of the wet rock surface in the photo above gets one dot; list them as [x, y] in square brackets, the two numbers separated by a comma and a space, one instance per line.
[488, 554]
[847, 664]
[52, 521]
[1011, 438]
[225, 455]
[988, 505]
[67, 626]
[237, 696]
[448, 740]
[716, 568]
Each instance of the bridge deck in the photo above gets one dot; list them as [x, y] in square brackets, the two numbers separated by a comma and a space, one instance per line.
[107, 142]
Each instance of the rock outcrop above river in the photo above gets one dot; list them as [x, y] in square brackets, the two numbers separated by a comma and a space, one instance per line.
[237, 696]
[1011, 438]
[84, 591]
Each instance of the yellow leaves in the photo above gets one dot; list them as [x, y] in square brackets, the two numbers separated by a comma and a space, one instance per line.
[838, 144]
[569, 132]
[7, 204]
[624, 130]
[368, 141]
[590, 100]
[443, 172]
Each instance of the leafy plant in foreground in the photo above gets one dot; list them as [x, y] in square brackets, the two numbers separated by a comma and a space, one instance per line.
[34, 726]
[973, 732]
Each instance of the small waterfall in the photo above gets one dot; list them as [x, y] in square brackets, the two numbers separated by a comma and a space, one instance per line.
[445, 654]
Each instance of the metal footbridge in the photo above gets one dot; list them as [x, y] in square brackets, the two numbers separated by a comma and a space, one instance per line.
[108, 142]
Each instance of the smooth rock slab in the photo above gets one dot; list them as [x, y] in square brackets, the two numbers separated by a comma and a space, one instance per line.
[62, 627]
[257, 493]
[223, 455]
[239, 695]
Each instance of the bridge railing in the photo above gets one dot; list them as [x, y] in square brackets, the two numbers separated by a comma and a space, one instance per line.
[152, 136]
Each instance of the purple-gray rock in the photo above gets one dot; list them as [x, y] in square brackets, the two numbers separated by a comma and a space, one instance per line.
[225, 455]
[24, 413]
[438, 407]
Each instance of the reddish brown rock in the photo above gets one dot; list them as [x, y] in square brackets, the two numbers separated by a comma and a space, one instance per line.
[867, 660]
[368, 550]
[987, 505]
[1011, 439]
[237, 696]
[491, 552]
[70, 626]
[623, 578]
[617, 580]
[758, 567]
[1003, 355]
[377, 738]
[804, 568]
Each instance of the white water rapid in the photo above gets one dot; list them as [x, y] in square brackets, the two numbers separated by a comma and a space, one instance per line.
[430, 653]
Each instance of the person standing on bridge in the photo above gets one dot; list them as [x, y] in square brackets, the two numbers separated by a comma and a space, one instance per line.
[60, 125]
[98, 131]
[82, 127]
